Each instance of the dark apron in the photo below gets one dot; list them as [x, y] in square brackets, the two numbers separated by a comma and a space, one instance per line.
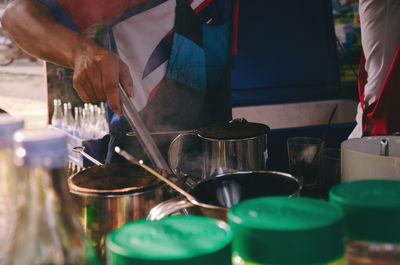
[195, 91]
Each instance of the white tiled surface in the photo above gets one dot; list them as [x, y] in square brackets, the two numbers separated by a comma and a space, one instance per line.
[298, 114]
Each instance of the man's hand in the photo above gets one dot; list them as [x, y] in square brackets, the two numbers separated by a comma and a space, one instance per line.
[97, 73]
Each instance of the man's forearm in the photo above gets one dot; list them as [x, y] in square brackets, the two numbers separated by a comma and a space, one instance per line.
[36, 31]
[97, 71]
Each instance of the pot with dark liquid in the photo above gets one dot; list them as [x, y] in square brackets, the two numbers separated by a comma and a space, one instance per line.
[224, 190]
[108, 196]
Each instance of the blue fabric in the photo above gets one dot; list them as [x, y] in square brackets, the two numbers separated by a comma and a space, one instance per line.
[217, 57]
[286, 53]
[60, 14]
[220, 11]
[187, 63]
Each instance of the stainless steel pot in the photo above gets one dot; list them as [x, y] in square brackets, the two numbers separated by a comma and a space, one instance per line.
[237, 145]
[227, 189]
[108, 196]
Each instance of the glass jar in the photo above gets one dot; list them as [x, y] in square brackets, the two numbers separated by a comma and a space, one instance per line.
[286, 231]
[48, 228]
[174, 240]
[8, 184]
[372, 216]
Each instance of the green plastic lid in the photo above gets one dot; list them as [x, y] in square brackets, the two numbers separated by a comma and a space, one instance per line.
[371, 209]
[281, 230]
[174, 240]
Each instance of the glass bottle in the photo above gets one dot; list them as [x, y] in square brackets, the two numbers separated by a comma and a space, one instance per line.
[286, 231]
[372, 216]
[78, 121]
[8, 184]
[92, 121]
[103, 108]
[101, 123]
[48, 229]
[85, 127]
[68, 119]
[57, 118]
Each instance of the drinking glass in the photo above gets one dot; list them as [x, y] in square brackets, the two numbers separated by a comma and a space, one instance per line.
[304, 155]
[329, 170]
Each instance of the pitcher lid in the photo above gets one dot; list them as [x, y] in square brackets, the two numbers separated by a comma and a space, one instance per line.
[46, 148]
[234, 130]
[8, 126]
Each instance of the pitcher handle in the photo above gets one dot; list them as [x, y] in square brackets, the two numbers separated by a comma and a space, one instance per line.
[167, 208]
[175, 148]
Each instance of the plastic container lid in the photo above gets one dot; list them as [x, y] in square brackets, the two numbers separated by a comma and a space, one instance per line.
[371, 209]
[176, 240]
[46, 148]
[8, 125]
[282, 230]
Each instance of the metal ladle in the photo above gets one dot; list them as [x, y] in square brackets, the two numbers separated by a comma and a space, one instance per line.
[140, 163]
[132, 116]
[81, 150]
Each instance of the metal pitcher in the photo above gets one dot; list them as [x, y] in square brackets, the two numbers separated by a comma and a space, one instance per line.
[237, 145]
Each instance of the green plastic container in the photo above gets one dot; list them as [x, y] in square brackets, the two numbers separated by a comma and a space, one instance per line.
[286, 231]
[175, 240]
[372, 217]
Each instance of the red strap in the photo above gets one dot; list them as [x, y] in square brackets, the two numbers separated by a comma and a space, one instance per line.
[384, 116]
[362, 79]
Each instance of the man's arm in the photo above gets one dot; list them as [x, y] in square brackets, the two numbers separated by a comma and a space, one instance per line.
[97, 71]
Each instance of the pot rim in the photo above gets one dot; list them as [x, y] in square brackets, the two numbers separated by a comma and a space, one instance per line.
[111, 193]
[82, 191]
[240, 172]
[231, 140]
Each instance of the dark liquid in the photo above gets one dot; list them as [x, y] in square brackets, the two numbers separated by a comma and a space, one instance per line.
[229, 189]
[308, 174]
[114, 177]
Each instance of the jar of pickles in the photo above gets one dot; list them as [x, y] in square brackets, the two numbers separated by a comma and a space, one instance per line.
[174, 240]
[286, 231]
[372, 220]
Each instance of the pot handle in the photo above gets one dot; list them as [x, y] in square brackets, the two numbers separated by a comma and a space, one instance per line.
[81, 150]
[174, 151]
[167, 208]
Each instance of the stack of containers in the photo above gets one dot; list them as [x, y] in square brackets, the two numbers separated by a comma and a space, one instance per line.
[286, 231]
[372, 220]
[174, 240]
